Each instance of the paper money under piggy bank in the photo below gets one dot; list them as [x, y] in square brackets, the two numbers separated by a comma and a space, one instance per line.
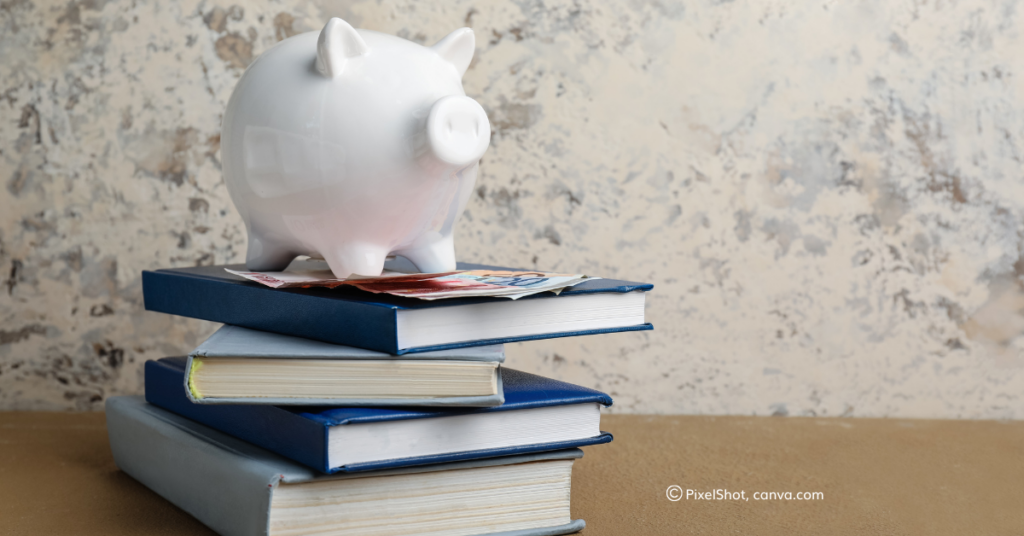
[352, 145]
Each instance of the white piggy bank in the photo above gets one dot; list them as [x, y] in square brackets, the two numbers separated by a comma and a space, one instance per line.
[351, 146]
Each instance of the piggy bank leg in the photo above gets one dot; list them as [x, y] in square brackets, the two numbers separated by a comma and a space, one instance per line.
[361, 259]
[266, 255]
[436, 255]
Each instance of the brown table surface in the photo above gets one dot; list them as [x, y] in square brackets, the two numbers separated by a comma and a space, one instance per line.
[878, 476]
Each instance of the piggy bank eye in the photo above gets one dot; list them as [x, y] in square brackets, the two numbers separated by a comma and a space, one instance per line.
[338, 43]
[457, 49]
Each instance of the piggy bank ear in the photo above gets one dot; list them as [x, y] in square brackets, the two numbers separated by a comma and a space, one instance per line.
[339, 42]
[457, 48]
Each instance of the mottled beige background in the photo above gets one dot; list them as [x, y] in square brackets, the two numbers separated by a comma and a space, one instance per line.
[828, 196]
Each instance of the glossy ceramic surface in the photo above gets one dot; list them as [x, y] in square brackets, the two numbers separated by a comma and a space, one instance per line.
[353, 145]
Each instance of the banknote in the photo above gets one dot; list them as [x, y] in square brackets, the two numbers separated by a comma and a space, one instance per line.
[324, 278]
[473, 283]
[433, 286]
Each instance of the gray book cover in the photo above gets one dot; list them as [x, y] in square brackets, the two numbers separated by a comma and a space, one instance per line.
[233, 341]
[228, 484]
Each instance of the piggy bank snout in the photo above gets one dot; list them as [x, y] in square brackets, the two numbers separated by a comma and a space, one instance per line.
[458, 130]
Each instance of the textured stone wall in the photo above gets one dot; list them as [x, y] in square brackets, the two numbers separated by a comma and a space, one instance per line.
[828, 196]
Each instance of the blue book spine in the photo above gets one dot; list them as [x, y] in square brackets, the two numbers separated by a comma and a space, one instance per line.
[295, 312]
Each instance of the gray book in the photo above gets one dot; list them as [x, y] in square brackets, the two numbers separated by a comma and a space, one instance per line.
[243, 366]
[238, 489]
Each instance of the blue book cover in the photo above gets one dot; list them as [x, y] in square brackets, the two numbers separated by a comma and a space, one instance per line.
[314, 435]
[393, 324]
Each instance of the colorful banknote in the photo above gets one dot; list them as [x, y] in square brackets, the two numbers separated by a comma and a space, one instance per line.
[437, 286]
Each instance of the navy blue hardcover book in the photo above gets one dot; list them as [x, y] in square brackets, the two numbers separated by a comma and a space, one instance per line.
[539, 414]
[394, 324]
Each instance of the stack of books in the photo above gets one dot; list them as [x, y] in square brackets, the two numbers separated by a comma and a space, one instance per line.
[336, 411]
